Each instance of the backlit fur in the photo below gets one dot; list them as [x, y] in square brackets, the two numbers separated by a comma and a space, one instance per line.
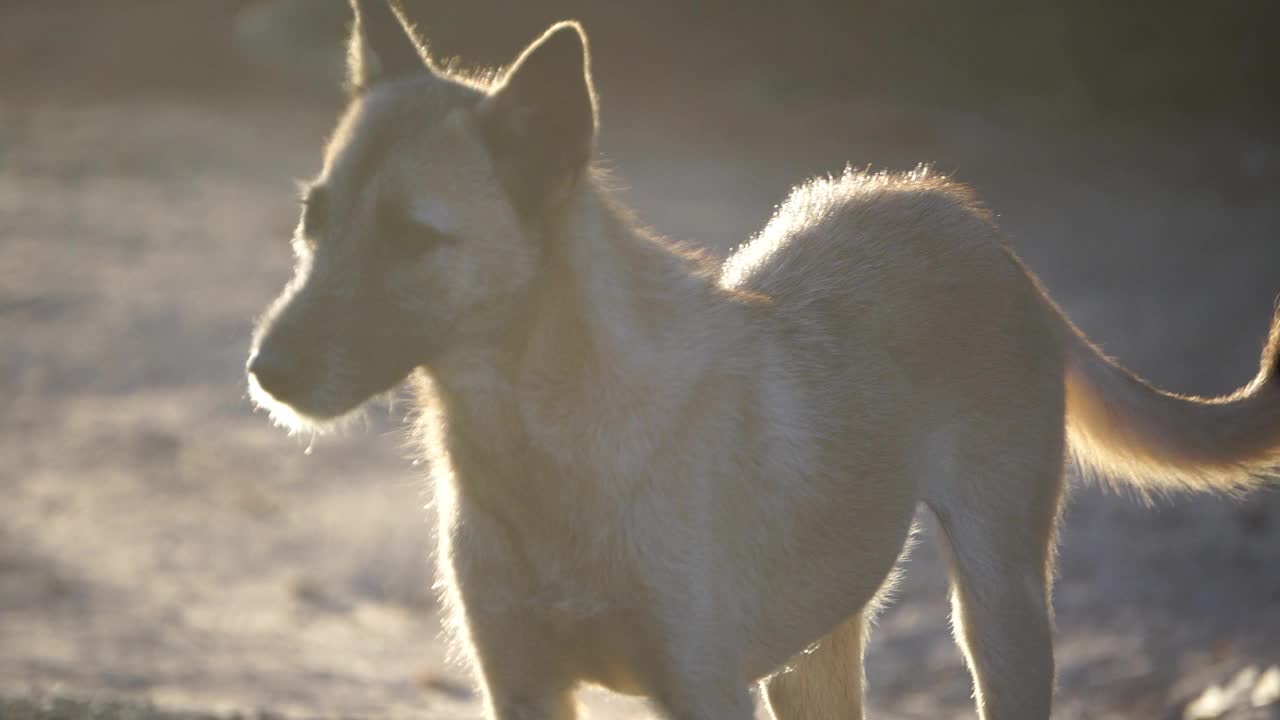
[678, 480]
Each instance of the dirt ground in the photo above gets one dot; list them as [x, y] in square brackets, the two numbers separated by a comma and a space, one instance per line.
[162, 541]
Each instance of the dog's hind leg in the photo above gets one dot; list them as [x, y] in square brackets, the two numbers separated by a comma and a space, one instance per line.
[824, 683]
[998, 536]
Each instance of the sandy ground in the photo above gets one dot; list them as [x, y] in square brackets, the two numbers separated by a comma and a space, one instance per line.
[160, 540]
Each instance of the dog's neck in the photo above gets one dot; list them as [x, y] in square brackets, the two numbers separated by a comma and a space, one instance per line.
[627, 302]
[609, 353]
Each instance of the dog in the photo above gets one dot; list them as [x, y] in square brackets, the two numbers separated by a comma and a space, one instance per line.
[676, 479]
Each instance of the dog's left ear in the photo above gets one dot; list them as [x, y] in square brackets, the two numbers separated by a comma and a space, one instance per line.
[383, 46]
[540, 122]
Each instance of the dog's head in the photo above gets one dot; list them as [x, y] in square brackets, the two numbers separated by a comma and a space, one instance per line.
[422, 232]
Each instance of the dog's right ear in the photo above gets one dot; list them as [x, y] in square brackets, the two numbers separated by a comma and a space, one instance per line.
[383, 45]
[540, 120]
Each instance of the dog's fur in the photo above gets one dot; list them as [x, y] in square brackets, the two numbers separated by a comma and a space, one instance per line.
[673, 479]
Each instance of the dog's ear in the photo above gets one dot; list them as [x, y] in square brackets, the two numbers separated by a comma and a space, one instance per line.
[540, 121]
[382, 46]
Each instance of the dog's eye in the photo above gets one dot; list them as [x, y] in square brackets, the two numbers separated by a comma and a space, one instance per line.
[315, 211]
[404, 237]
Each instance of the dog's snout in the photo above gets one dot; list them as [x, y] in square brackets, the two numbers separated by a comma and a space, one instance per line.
[276, 372]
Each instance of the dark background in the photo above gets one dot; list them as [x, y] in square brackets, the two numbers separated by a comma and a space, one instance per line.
[1169, 62]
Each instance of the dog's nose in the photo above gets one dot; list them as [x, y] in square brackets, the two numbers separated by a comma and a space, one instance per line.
[276, 372]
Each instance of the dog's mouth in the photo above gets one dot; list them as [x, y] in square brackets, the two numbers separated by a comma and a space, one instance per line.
[301, 397]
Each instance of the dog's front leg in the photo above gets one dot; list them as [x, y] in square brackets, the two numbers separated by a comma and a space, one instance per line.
[522, 675]
[698, 673]
[516, 702]
[519, 662]
[724, 703]
[701, 685]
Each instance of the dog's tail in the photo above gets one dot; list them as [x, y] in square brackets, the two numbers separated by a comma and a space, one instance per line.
[1123, 429]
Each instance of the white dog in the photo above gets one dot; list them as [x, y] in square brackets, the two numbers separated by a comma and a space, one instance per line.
[675, 479]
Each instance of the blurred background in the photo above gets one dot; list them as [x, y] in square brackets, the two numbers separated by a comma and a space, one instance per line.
[161, 543]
